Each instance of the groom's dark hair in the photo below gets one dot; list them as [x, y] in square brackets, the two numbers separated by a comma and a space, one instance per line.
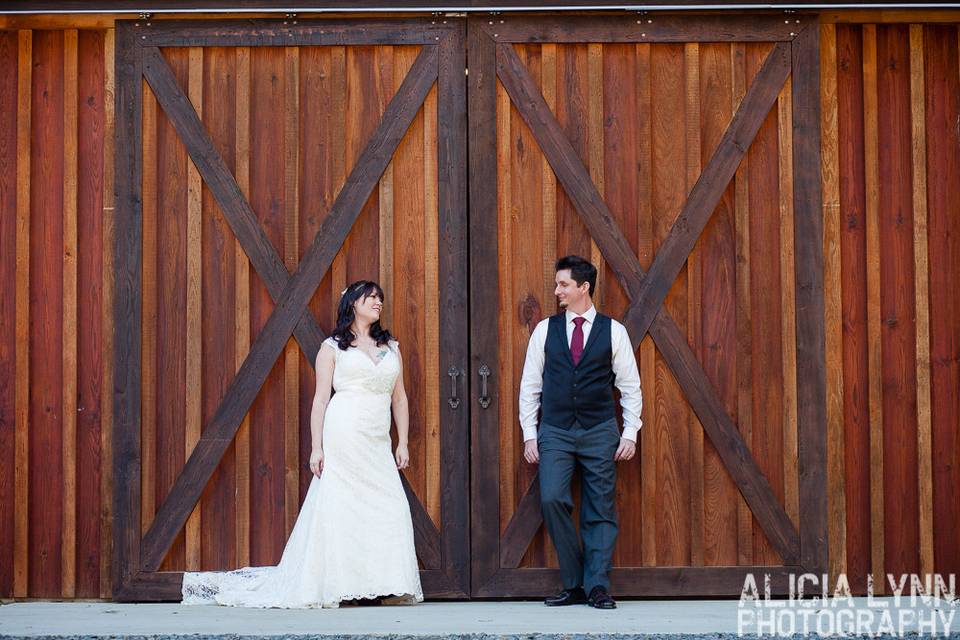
[581, 271]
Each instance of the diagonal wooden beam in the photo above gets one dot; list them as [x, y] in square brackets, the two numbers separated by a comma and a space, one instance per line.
[706, 193]
[427, 538]
[220, 430]
[522, 527]
[599, 221]
[236, 209]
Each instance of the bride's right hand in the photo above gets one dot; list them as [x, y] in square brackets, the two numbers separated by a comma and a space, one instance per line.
[316, 462]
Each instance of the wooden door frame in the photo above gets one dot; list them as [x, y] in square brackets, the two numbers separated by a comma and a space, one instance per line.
[496, 559]
[445, 553]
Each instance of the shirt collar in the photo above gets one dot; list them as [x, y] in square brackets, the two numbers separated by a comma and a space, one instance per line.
[589, 314]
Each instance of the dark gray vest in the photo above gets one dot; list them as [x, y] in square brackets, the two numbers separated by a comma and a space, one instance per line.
[577, 394]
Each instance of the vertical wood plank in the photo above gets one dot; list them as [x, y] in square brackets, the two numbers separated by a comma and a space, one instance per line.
[872, 179]
[897, 312]
[788, 306]
[148, 426]
[338, 64]
[833, 302]
[548, 198]
[718, 313]
[194, 344]
[385, 236]
[922, 309]
[691, 58]
[508, 436]
[595, 146]
[107, 278]
[242, 328]
[8, 311]
[46, 315]
[69, 331]
[744, 315]
[432, 310]
[942, 95]
[291, 257]
[91, 546]
[218, 286]
[648, 441]
[21, 511]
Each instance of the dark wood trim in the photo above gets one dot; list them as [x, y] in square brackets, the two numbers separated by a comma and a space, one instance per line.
[811, 363]
[646, 581]
[523, 525]
[127, 312]
[280, 32]
[576, 181]
[219, 432]
[454, 301]
[652, 27]
[225, 190]
[484, 283]
[427, 538]
[706, 193]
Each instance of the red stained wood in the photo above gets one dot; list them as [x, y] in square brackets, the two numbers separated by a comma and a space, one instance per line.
[170, 272]
[897, 300]
[90, 359]
[767, 446]
[571, 112]
[942, 83]
[856, 411]
[267, 500]
[46, 314]
[669, 193]
[218, 269]
[8, 344]
[718, 307]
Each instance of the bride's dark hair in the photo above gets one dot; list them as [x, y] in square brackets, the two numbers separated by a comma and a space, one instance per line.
[345, 314]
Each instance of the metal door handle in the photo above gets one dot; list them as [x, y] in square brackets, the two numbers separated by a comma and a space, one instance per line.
[484, 395]
[453, 400]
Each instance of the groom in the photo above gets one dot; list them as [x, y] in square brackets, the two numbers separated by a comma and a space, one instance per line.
[574, 359]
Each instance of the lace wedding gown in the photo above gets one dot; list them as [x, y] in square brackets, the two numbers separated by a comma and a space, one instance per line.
[354, 535]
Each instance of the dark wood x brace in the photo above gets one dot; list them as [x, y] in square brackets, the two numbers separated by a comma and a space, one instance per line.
[647, 291]
[291, 292]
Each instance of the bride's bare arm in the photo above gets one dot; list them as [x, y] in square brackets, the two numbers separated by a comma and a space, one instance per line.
[325, 365]
[401, 415]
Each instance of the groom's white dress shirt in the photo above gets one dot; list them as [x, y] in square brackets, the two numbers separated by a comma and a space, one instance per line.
[624, 368]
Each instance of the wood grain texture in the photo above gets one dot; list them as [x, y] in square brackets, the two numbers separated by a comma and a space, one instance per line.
[942, 98]
[897, 313]
[833, 301]
[8, 311]
[918, 159]
[872, 225]
[738, 54]
[857, 447]
[106, 386]
[291, 255]
[21, 510]
[46, 315]
[432, 461]
[69, 328]
[148, 347]
[194, 318]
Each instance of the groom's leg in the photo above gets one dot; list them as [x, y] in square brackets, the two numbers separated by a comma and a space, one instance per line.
[557, 462]
[598, 517]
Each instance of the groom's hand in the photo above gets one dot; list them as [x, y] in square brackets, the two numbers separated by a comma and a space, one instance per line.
[626, 450]
[531, 453]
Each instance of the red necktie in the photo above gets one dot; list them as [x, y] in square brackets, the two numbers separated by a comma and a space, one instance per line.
[576, 342]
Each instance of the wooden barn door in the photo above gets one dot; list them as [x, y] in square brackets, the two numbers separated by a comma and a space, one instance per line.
[261, 167]
[680, 154]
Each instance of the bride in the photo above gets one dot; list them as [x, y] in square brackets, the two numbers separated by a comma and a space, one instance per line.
[353, 539]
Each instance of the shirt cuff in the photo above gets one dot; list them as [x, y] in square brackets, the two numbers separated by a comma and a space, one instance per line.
[529, 433]
[630, 433]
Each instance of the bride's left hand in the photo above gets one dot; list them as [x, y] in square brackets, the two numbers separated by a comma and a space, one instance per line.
[403, 457]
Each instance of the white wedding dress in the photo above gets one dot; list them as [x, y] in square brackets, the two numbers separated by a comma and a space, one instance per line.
[354, 535]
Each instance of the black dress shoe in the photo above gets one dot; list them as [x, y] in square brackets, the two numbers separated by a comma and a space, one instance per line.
[600, 599]
[566, 597]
